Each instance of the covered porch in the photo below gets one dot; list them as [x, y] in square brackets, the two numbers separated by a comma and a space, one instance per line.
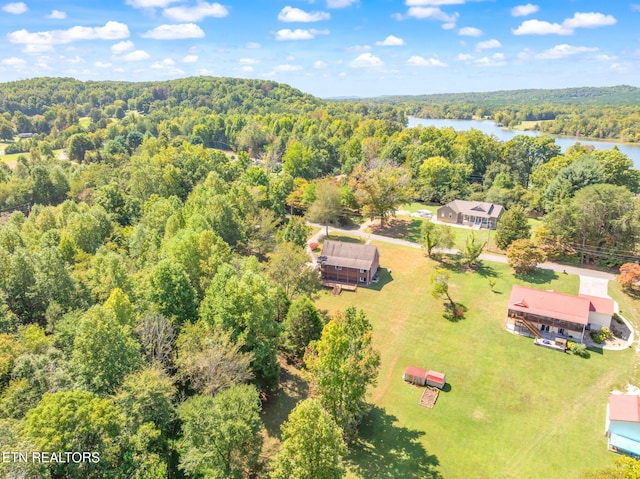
[544, 327]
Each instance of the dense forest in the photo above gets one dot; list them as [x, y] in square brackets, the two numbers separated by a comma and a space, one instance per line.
[605, 113]
[153, 274]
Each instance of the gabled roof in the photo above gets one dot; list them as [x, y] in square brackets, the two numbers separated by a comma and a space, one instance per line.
[550, 304]
[416, 372]
[476, 208]
[624, 407]
[348, 255]
[599, 305]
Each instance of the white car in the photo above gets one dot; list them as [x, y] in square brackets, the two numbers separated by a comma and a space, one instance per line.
[422, 214]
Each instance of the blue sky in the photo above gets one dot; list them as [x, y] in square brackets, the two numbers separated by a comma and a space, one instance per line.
[329, 47]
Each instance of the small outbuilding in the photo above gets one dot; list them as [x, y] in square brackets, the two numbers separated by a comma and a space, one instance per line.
[423, 377]
[436, 379]
[415, 375]
[623, 423]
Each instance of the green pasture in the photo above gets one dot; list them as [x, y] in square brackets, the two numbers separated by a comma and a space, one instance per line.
[509, 410]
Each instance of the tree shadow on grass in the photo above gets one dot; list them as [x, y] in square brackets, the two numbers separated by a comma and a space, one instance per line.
[455, 312]
[385, 450]
[486, 271]
[539, 276]
[291, 390]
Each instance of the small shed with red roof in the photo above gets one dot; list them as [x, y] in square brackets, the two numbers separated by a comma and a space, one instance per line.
[423, 377]
[623, 423]
[415, 375]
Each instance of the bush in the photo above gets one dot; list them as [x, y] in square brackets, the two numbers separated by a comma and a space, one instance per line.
[617, 318]
[605, 333]
[597, 338]
[578, 349]
[570, 344]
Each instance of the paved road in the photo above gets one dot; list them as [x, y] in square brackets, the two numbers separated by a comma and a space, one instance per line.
[495, 258]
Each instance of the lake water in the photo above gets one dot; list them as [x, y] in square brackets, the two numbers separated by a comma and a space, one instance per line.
[490, 128]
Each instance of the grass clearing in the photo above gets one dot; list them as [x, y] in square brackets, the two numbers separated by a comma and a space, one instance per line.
[513, 410]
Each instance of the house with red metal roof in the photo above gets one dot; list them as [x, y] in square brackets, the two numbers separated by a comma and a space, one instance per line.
[538, 313]
[623, 423]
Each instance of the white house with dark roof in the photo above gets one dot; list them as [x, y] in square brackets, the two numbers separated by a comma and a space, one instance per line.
[478, 214]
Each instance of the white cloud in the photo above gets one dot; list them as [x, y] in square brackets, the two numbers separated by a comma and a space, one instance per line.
[248, 61]
[196, 13]
[16, 8]
[253, 45]
[291, 14]
[190, 59]
[449, 26]
[524, 10]
[391, 41]
[432, 12]
[102, 64]
[470, 32]
[111, 31]
[299, 34]
[320, 65]
[247, 69]
[174, 32]
[563, 51]
[495, 60]
[13, 61]
[122, 47]
[635, 7]
[164, 64]
[340, 3]
[539, 27]
[288, 68]
[489, 44]
[412, 3]
[36, 49]
[57, 15]
[150, 3]
[359, 48]
[464, 57]
[568, 26]
[366, 60]
[419, 61]
[76, 59]
[589, 20]
[136, 56]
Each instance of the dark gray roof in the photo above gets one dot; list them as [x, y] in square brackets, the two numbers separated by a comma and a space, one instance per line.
[476, 208]
[348, 255]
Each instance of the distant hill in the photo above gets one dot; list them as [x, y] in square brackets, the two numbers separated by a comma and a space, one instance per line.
[622, 95]
[222, 95]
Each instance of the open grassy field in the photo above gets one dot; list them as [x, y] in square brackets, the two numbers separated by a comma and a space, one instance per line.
[510, 410]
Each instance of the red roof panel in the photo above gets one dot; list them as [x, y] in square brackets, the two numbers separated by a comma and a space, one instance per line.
[599, 305]
[550, 304]
[415, 372]
[624, 407]
[436, 377]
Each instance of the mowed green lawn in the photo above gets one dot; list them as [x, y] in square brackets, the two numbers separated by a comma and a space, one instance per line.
[512, 410]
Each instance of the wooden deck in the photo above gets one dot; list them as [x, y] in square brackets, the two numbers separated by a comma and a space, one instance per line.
[343, 286]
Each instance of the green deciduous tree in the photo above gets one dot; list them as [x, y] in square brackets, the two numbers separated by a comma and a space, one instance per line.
[524, 256]
[380, 188]
[302, 325]
[170, 289]
[312, 446]
[472, 250]
[343, 364]
[77, 421]
[512, 225]
[435, 236]
[289, 268]
[221, 437]
[327, 208]
[103, 351]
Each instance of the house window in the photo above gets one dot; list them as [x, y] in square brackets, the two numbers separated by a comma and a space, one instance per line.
[364, 271]
[362, 280]
[339, 268]
[449, 215]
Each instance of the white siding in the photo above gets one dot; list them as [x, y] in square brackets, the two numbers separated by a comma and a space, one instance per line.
[599, 320]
